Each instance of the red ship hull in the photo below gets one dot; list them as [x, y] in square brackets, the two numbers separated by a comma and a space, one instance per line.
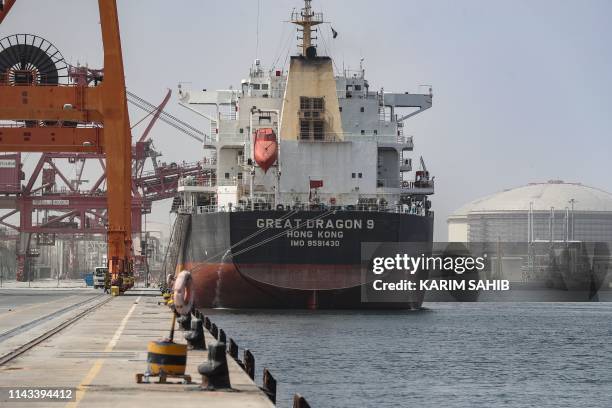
[236, 263]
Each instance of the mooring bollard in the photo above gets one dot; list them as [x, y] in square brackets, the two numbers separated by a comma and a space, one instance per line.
[165, 359]
[207, 323]
[222, 336]
[214, 330]
[300, 402]
[269, 385]
[184, 322]
[233, 349]
[215, 373]
[195, 337]
[249, 364]
[233, 352]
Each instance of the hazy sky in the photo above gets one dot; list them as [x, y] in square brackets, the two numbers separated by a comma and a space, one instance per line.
[522, 89]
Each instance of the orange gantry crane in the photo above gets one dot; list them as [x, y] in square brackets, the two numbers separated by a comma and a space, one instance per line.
[51, 117]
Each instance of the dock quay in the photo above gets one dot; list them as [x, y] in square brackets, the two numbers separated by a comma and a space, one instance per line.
[96, 344]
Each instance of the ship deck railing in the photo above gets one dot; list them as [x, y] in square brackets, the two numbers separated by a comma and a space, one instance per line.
[344, 94]
[231, 138]
[370, 136]
[418, 187]
[398, 209]
[197, 181]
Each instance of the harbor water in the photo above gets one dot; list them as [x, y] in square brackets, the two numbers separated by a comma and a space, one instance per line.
[448, 355]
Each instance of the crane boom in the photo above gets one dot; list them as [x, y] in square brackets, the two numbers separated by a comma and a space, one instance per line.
[158, 111]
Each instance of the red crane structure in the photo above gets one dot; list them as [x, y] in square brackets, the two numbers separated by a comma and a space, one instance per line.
[53, 206]
[49, 116]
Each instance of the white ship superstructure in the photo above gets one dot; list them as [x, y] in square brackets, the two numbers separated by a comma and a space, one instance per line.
[339, 142]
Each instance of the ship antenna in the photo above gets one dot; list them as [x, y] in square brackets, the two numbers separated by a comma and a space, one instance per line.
[306, 19]
[257, 44]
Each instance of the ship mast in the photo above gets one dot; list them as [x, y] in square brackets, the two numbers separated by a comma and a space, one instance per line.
[306, 19]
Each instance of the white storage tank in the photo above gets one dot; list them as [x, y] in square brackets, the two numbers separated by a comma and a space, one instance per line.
[576, 212]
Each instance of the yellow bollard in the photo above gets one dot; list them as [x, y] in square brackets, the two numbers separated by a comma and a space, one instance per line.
[166, 357]
[114, 290]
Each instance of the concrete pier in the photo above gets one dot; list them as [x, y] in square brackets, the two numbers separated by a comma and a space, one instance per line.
[101, 353]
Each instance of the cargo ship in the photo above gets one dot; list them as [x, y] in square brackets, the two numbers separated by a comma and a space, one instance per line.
[301, 166]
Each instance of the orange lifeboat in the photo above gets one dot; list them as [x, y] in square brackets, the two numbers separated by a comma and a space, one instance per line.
[265, 148]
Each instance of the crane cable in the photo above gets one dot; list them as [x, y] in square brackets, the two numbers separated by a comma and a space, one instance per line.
[164, 113]
[167, 118]
[169, 122]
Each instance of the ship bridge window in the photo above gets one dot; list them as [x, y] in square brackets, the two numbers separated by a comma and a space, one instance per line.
[312, 114]
[305, 129]
[256, 86]
[317, 130]
[307, 103]
[311, 124]
[312, 129]
[358, 87]
[264, 87]
[362, 109]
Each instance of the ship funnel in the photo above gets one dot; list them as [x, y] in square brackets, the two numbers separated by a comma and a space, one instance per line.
[311, 52]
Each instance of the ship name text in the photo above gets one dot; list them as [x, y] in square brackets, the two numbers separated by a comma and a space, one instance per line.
[315, 232]
[338, 224]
